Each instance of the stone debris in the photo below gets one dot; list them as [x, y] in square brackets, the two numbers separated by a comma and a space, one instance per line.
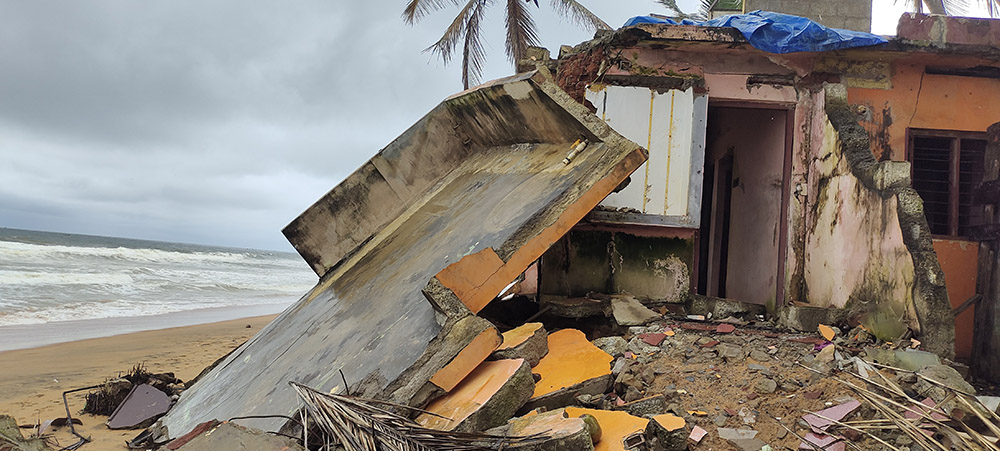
[627, 311]
[232, 436]
[12, 439]
[528, 341]
[564, 432]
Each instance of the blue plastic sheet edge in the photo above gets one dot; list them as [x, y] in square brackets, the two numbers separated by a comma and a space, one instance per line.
[779, 33]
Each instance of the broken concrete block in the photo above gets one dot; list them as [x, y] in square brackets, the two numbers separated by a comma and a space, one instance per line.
[231, 436]
[572, 367]
[11, 435]
[475, 192]
[529, 342]
[615, 426]
[574, 307]
[487, 397]
[565, 432]
[907, 359]
[668, 431]
[652, 405]
[613, 345]
[628, 311]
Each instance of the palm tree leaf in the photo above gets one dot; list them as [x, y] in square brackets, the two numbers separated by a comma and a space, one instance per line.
[417, 9]
[573, 10]
[455, 32]
[358, 425]
[520, 30]
[473, 54]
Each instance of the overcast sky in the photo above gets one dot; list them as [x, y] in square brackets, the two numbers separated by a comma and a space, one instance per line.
[217, 122]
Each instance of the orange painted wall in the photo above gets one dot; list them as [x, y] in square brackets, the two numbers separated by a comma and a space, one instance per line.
[919, 100]
[959, 261]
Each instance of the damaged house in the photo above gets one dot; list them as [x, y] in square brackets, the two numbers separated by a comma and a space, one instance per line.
[678, 166]
[826, 187]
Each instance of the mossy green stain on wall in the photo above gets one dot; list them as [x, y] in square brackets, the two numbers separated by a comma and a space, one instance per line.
[617, 262]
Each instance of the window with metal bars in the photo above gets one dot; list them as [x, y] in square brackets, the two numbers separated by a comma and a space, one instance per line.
[946, 167]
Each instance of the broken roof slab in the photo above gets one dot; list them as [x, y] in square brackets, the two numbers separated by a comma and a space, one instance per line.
[415, 242]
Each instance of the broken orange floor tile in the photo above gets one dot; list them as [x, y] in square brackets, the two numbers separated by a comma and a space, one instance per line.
[571, 360]
[615, 426]
[528, 341]
[486, 398]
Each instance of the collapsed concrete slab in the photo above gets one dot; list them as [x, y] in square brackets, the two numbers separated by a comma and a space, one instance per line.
[487, 397]
[573, 366]
[236, 437]
[415, 242]
[563, 432]
[529, 341]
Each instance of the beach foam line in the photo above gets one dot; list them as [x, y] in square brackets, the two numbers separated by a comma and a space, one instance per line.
[35, 335]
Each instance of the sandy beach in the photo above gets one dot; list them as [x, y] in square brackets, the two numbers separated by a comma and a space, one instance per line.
[32, 380]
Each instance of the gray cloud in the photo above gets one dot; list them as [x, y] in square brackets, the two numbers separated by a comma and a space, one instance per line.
[212, 121]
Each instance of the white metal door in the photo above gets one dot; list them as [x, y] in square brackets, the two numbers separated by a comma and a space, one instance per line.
[666, 190]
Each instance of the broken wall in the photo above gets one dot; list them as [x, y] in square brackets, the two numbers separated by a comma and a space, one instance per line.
[867, 246]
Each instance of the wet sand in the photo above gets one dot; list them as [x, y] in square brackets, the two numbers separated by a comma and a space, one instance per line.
[32, 380]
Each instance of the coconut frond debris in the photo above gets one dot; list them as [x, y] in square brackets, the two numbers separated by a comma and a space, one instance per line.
[358, 425]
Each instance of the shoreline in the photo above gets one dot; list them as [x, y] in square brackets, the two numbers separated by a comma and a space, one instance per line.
[32, 380]
[28, 336]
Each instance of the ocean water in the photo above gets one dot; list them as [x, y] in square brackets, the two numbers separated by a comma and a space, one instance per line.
[47, 279]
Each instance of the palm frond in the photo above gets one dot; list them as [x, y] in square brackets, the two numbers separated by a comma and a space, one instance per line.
[417, 9]
[579, 14]
[454, 33]
[358, 425]
[473, 54]
[520, 30]
[674, 9]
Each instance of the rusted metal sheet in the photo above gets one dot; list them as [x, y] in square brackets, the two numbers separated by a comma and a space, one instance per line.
[142, 404]
[478, 186]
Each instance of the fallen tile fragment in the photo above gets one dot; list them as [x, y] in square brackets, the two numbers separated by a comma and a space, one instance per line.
[697, 433]
[564, 432]
[628, 311]
[653, 339]
[572, 367]
[824, 442]
[615, 426]
[142, 405]
[812, 394]
[487, 397]
[725, 329]
[710, 344]
[528, 341]
[930, 404]
[827, 332]
[697, 413]
[835, 413]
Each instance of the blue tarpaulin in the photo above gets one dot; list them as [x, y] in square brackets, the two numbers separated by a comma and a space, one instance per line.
[780, 33]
